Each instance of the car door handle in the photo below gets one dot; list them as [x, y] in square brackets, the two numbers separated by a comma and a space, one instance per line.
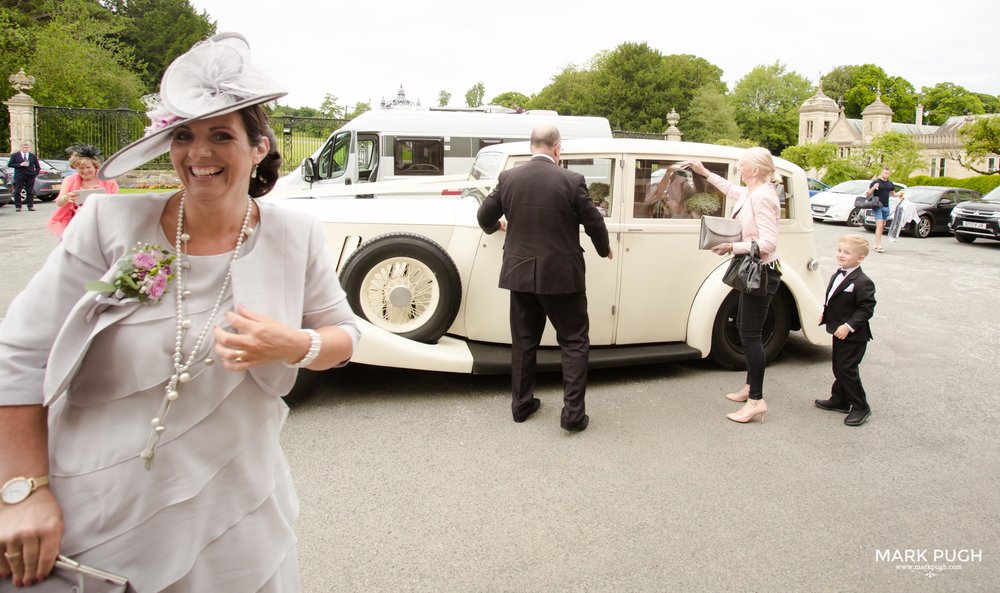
[633, 229]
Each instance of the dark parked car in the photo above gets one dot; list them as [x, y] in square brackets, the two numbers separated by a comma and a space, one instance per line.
[934, 205]
[977, 218]
[59, 166]
[5, 183]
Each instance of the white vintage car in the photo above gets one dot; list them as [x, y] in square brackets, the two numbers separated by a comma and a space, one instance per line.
[422, 275]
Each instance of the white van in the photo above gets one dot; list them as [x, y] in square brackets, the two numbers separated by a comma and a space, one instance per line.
[422, 145]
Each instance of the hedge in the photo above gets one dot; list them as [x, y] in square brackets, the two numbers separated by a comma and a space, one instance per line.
[981, 183]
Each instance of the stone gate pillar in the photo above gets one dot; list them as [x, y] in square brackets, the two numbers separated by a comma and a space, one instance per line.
[22, 112]
[673, 133]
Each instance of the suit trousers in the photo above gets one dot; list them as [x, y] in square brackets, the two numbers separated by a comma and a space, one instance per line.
[847, 388]
[27, 188]
[568, 314]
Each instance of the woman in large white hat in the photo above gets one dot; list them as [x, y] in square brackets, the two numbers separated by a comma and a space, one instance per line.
[142, 369]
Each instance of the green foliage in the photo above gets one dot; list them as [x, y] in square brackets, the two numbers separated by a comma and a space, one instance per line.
[444, 97]
[859, 85]
[991, 103]
[359, 108]
[158, 31]
[811, 156]
[709, 118]
[945, 99]
[766, 102]
[981, 184]
[474, 96]
[898, 151]
[329, 107]
[511, 100]
[569, 93]
[843, 170]
[981, 137]
[738, 143]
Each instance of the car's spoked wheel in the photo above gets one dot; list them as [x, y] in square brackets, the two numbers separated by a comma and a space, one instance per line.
[399, 294]
[856, 217]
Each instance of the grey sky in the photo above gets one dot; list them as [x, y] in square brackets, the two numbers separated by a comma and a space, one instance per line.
[361, 51]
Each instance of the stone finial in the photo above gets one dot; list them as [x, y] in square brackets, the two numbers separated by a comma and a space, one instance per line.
[21, 81]
[672, 133]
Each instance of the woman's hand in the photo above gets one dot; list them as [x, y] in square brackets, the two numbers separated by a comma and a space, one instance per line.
[697, 167]
[723, 249]
[257, 339]
[30, 534]
[63, 199]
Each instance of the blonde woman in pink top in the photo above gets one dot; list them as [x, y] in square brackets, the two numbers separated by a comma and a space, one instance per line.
[757, 207]
[86, 159]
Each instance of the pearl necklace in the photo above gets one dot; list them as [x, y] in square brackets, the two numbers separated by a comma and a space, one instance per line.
[183, 324]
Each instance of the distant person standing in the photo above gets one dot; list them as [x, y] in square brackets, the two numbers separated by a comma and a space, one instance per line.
[543, 268]
[26, 168]
[883, 188]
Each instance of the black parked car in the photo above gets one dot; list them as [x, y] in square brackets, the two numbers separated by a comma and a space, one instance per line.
[5, 183]
[979, 218]
[934, 205]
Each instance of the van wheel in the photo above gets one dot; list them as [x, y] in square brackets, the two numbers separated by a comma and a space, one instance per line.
[405, 284]
[727, 348]
[856, 217]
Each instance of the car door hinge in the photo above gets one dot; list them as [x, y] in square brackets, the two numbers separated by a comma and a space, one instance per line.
[613, 310]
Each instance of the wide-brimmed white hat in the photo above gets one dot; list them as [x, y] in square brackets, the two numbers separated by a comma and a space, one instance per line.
[213, 78]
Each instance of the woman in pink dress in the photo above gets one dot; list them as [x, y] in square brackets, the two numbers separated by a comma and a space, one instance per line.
[86, 159]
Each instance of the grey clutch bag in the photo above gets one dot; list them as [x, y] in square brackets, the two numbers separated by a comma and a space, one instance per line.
[716, 230]
[71, 576]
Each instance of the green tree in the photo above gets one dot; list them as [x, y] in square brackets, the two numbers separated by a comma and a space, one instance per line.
[817, 155]
[857, 87]
[511, 99]
[474, 96]
[569, 93]
[982, 139]
[844, 170]
[709, 118]
[444, 97]
[359, 108]
[766, 102]
[991, 103]
[159, 31]
[945, 99]
[329, 107]
[898, 151]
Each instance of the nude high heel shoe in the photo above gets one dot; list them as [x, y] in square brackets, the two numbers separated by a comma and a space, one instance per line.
[751, 409]
[740, 396]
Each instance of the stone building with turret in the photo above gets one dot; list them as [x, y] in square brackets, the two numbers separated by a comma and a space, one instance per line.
[820, 118]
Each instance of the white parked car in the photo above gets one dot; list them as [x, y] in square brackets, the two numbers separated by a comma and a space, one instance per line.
[837, 203]
[422, 275]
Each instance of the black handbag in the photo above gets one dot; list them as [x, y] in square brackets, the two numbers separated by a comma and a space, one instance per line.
[747, 273]
[866, 202]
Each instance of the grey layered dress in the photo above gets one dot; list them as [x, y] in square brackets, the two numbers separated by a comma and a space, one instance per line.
[216, 511]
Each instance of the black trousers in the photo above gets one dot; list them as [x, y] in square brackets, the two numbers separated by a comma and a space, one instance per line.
[27, 187]
[750, 320]
[568, 314]
[847, 387]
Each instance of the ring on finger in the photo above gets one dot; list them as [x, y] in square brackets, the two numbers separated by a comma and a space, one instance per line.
[12, 555]
[240, 356]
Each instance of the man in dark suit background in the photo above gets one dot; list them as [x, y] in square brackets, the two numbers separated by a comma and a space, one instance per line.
[850, 303]
[543, 268]
[25, 166]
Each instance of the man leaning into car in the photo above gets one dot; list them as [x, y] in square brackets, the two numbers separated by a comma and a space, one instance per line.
[543, 268]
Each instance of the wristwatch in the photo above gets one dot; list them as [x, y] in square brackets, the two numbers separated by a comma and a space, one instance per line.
[19, 488]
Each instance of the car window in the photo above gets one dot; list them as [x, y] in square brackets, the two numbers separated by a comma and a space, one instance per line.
[924, 196]
[783, 187]
[816, 185]
[418, 156]
[599, 174]
[367, 157]
[664, 190]
[332, 161]
[965, 196]
[851, 187]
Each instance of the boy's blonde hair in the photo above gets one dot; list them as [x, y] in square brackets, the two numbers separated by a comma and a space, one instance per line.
[856, 241]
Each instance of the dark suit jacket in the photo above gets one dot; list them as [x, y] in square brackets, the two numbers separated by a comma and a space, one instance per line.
[24, 173]
[545, 205]
[853, 303]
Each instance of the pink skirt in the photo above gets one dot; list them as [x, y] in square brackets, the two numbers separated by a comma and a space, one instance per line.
[60, 218]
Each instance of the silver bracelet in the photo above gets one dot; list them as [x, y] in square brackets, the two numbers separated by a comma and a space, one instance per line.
[315, 343]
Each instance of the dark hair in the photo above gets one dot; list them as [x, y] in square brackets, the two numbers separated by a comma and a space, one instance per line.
[268, 170]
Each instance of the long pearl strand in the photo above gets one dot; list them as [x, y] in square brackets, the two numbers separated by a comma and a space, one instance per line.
[183, 324]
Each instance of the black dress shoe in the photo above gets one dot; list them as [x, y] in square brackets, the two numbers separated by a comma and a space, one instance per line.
[31, 209]
[827, 404]
[577, 426]
[527, 412]
[17, 209]
[857, 417]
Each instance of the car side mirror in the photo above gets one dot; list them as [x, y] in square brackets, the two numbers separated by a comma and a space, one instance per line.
[308, 170]
[945, 202]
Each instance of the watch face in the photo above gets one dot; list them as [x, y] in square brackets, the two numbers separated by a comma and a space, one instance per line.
[16, 491]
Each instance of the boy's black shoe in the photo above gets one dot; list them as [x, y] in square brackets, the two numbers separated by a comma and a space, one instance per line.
[578, 426]
[857, 417]
[827, 404]
[531, 409]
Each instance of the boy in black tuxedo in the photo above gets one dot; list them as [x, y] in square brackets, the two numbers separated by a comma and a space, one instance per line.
[850, 303]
